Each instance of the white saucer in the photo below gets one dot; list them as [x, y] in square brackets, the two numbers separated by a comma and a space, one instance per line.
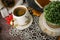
[20, 27]
[45, 28]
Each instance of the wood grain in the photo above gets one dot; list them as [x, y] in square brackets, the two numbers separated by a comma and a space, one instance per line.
[58, 38]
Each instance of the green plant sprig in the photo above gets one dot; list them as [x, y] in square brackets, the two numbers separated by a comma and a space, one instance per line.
[52, 12]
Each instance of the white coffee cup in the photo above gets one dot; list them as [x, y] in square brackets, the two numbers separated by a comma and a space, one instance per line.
[21, 20]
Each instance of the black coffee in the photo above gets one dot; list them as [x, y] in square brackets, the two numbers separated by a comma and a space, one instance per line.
[8, 3]
[19, 11]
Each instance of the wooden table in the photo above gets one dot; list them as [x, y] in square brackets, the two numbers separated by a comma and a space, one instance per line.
[58, 38]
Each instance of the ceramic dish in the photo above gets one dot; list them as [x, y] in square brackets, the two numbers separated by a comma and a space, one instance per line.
[33, 4]
[45, 28]
[38, 4]
[21, 27]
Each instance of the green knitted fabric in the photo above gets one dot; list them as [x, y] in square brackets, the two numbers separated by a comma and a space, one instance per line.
[52, 12]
